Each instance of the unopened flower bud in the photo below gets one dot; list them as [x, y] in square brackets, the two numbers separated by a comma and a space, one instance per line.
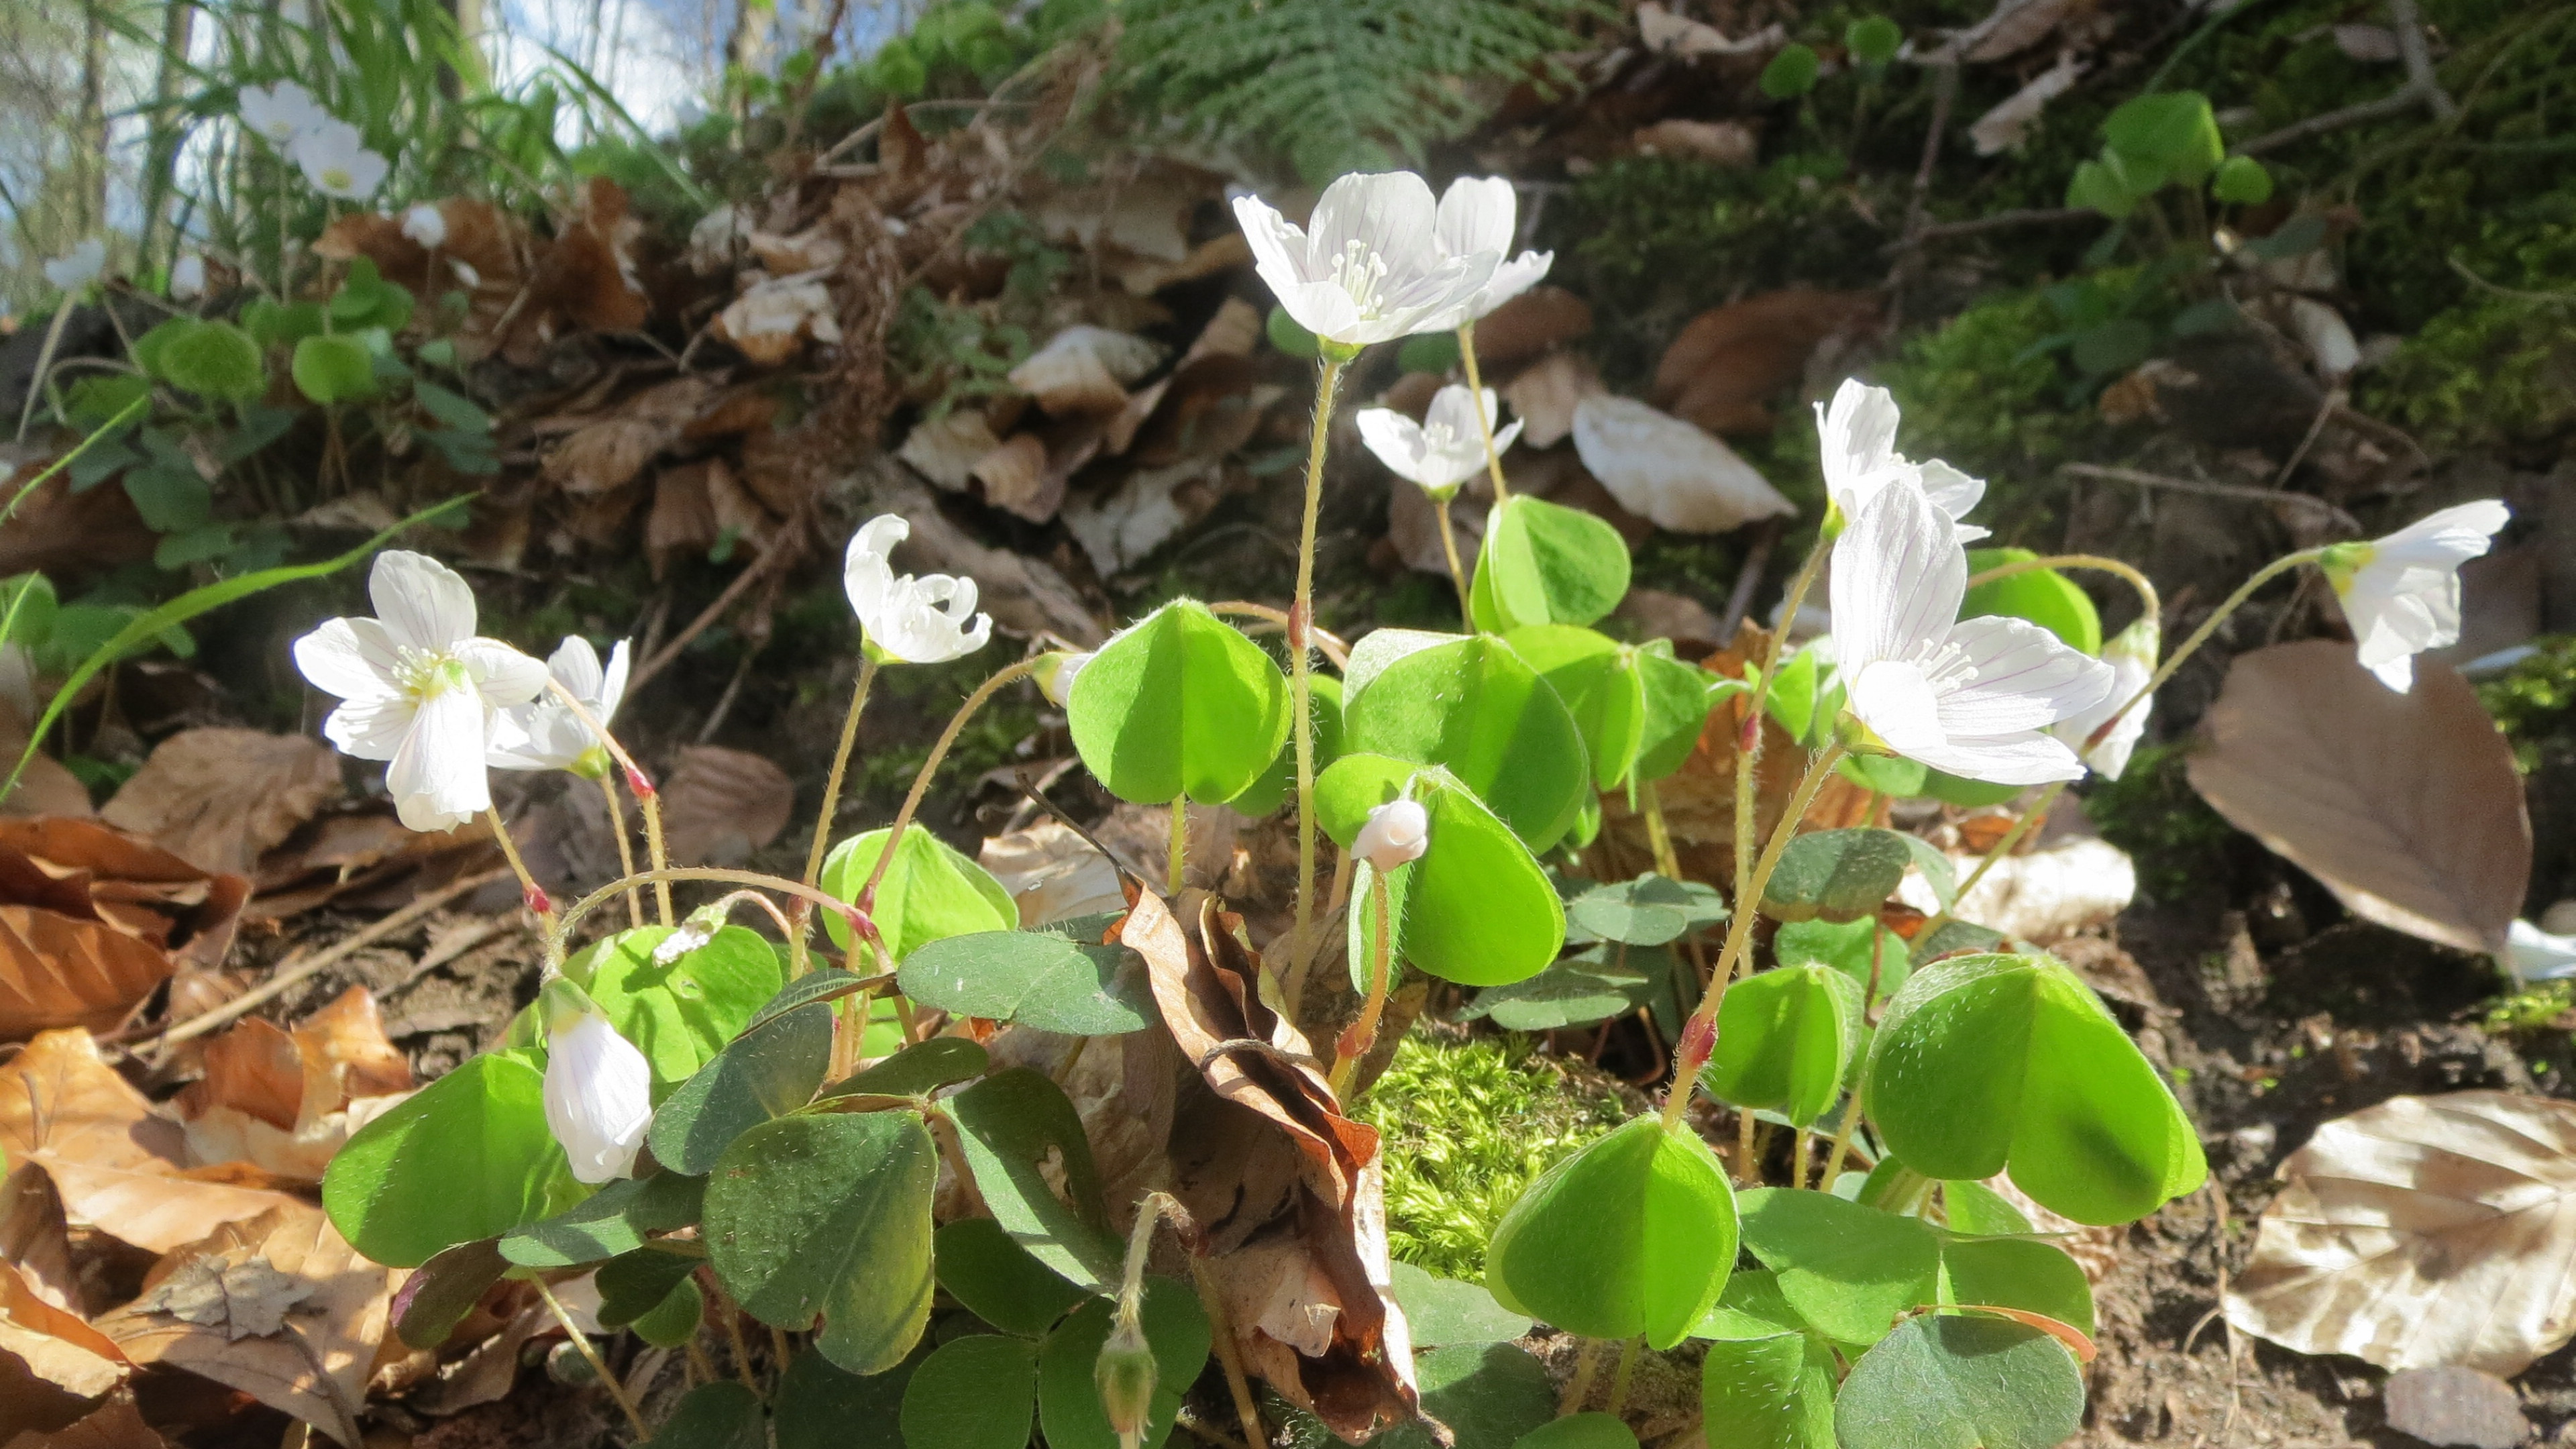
[537, 899]
[640, 784]
[1125, 1376]
[1396, 832]
[1055, 672]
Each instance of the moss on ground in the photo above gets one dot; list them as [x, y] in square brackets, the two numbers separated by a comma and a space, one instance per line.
[2536, 699]
[1467, 1125]
[1979, 393]
[2152, 812]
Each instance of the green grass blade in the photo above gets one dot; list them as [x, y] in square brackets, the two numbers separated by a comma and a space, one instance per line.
[696, 193]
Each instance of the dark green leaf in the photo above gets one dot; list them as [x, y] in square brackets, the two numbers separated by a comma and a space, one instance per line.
[976, 1392]
[1648, 911]
[1836, 875]
[767, 1072]
[613, 1220]
[917, 1070]
[1490, 1395]
[830, 1214]
[998, 1280]
[634, 1284]
[170, 500]
[819, 1406]
[676, 1319]
[1594, 985]
[1580, 1431]
[453, 409]
[439, 1293]
[1791, 72]
[1851, 947]
[1043, 981]
[1025, 1145]
[1963, 1382]
[819, 983]
[1442, 1311]
[1176, 1329]
[719, 1415]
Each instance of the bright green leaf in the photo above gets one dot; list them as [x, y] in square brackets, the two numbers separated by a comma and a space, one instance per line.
[929, 893]
[1477, 910]
[1961, 1382]
[468, 1156]
[1544, 563]
[1606, 696]
[1443, 1311]
[1846, 1269]
[1775, 1391]
[215, 360]
[2043, 596]
[1786, 1039]
[1633, 1233]
[2165, 136]
[1862, 950]
[334, 368]
[2241, 181]
[2022, 1273]
[680, 1015]
[1476, 707]
[1179, 703]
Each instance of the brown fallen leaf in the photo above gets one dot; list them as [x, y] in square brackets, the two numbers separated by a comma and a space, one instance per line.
[119, 1164]
[1052, 873]
[2420, 1232]
[1535, 322]
[1025, 594]
[91, 920]
[1727, 364]
[115, 1424]
[946, 449]
[279, 1307]
[54, 530]
[58, 1344]
[284, 1103]
[35, 1239]
[720, 806]
[217, 798]
[1666, 470]
[1015, 478]
[363, 854]
[770, 322]
[1719, 143]
[1545, 396]
[2406, 806]
[1284, 1189]
[1085, 369]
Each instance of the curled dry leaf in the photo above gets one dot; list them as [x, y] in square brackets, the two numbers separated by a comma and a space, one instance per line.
[810, 250]
[218, 798]
[363, 854]
[1727, 365]
[35, 1238]
[1052, 873]
[1015, 477]
[2301, 750]
[284, 1103]
[1669, 471]
[774, 316]
[2420, 1232]
[1284, 1189]
[2064, 887]
[118, 1164]
[946, 449]
[54, 1344]
[1085, 369]
[2008, 124]
[722, 806]
[279, 1307]
[91, 920]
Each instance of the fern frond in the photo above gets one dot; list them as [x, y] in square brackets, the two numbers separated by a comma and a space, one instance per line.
[1337, 85]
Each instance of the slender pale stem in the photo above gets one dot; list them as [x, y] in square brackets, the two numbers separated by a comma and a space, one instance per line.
[1174, 865]
[529, 891]
[1484, 424]
[646, 797]
[1457, 571]
[1748, 738]
[1587, 1363]
[840, 771]
[930, 767]
[1357, 1041]
[1301, 684]
[582, 1345]
[1842, 1145]
[1801, 1150]
[1659, 837]
[1228, 1356]
[1745, 1122]
[583, 907]
[625, 847]
[1619, 1377]
[1699, 1034]
[2209, 626]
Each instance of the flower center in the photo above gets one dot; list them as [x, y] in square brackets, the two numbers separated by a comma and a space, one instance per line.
[1358, 271]
[1948, 670]
[425, 674]
[337, 178]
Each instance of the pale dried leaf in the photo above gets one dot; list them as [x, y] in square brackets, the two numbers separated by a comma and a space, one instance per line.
[2012, 27]
[1670, 472]
[1544, 397]
[2420, 1232]
[1719, 143]
[1014, 476]
[809, 250]
[1085, 369]
[2008, 124]
[279, 1307]
[1233, 332]
[57, 1343]
[1026, 595]
[945, 449]
[34, 1237]
[683, 518]
[774, 316]
[1668, 34]
[116, 1424]
[2304, 751]
[1052, 873]
[2327, 337]
[1122, 527]
[218, 798]
[2064, 887]
[720, 806]
[606, 455]
[114, 1159]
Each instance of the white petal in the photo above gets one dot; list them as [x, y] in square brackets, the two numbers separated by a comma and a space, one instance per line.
[867, 571]
[370, 729]
[501, 673]
[1324, 309]
[424, 603]
[1395, 833]
[2030, 758]
[1897, 701]
[1509, 435]
[1856, 438]
[1278, 247]
[2396, 613]
[1952, 491]
[2448, 538]
[1898, 578]
[351, 658]
[2026, 678]
[1391, 213]
[612, 684]
[1510, 280]
[1395, 439]
[437, 778]
[1476, 214]
[575, 666]
[598, 1098]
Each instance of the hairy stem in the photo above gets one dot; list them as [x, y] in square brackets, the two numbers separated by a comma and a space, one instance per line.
[1175, 863]
[840, 771]
[571, 917]
[648, 798]
[2209, 626]
[1301, 683]
[625, 847]
[1356, 1042]
[1457, 571]
[529, 891]
[1484, 424]
[929, 767]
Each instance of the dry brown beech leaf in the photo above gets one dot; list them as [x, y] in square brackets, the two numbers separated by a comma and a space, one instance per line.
[217, 798]
[1545, 396]
[1284, 1190]
[91, 920]
[58, 1345]
[945, 449]
[283, 1102]
[35, 1238]
[279, 1307]
[2420, 1232]
[1085, 369]
[2406, 806]
[115, 1424]
[1669, 471]
[118, 1163]
[1727, 364]
[1052, 873]
[1530, 324]
[721, 806]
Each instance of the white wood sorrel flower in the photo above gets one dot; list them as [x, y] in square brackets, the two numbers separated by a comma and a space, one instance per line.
[1397, 831]
[1368, 268]
[1970, 696]
[547, 734]
[1479, 214]
[1857, 438]
[2132, 656]
[1442, 451]
[336, 160]
[599, 1091]
[281, 112]
[2401, 593]
[907, 620]
[73, 271]
[418, 688]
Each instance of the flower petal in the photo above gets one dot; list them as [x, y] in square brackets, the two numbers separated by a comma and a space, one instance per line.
[867, 571]
[2448, 538]
[351, 658]
[1391, 213]
[612, 684]
[370, 729]
[1898, 578]
[598, 1098]
[437, 778]
[1395, 439]
[1899, 704]
[2026, 678]
[1856, 437]
[1476, 214]
[2027, 758]
[1279, 251]
[424, 603]
[575, 666]
[501, 673]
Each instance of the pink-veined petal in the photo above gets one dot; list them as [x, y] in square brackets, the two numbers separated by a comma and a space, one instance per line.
[1898, 578]
[424, 604]
[436, 777]
[2027, 758]
[2026, 678]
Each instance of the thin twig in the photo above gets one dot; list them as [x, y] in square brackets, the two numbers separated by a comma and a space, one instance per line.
[2210, 490]
[752, 573]
[1999, 221]
[295, 971]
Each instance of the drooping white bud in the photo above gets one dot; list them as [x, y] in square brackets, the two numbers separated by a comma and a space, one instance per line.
[599, 1095]
[1396, 832]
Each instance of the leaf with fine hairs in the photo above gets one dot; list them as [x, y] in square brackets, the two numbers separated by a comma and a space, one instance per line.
[2420, 1232]
[2406, 806]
